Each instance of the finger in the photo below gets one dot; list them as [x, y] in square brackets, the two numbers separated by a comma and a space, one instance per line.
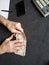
[16, 41]
[18, 27]
[19, 45]
[18, 24]
[8, 39]
[15, 31]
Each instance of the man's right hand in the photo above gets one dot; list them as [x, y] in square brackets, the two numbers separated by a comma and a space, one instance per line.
[11, 45]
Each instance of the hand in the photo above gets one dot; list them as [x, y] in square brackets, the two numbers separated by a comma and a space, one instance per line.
[14, 27]
[11, 45]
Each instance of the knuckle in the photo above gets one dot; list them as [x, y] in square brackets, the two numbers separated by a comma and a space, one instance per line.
[19, 23]
[7, 39]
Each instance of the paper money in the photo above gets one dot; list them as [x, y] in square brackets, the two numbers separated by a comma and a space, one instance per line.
[21, 37]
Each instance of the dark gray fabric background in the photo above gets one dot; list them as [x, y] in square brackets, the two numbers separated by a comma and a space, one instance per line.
[36, 28]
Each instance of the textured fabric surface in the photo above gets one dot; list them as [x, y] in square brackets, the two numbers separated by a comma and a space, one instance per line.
[36, 28]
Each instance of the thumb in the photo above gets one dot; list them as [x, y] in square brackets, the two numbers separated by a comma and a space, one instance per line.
[8, 39]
